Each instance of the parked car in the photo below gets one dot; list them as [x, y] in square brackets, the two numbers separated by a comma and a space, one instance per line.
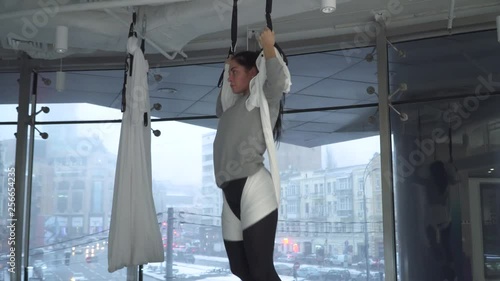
[183, 257]
[374, 264]
[39, 269]
[78, 276]
[339, 260]
[312, 259]
[287, 258]
[284, 269]
[337, 275]
[309, 273]
[362, 277]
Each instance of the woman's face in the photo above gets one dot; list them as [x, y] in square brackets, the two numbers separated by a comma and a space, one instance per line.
[239, 77]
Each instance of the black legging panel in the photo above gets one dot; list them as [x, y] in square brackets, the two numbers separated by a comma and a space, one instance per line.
[252, 258]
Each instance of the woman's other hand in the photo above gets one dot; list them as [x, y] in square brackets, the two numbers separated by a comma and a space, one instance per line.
[267, 41]
[267, 38]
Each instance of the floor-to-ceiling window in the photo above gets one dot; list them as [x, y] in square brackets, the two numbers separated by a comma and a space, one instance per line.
[446, 157]
[330, 216]
[8, 117]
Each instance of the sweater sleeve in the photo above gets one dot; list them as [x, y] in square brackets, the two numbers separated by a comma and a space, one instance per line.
[276, 79]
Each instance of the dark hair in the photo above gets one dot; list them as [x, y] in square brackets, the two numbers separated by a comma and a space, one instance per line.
[248, 60]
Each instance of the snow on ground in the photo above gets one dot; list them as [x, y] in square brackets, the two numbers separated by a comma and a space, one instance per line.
[221, 272]
[192, 270]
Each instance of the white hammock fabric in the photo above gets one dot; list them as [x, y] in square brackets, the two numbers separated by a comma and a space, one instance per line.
[134, 234]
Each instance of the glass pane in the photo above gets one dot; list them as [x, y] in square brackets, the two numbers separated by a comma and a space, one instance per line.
[7, 180]
[97, 95]
[328, 79]
[72, 192]
[9, 93]
[86, 95]
[463, 64]
[330, 218]
[331, 210]
[442, 146]
[490, 205]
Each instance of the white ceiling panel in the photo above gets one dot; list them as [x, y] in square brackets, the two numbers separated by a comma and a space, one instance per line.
[338, 117]
[318, 127]
[299, 101]
[212, 95]
[305, 116]
[182, 91]
[290, 124]
[316, 65]
[361, 71]
[301, 82]
[201, 108]
[86, 82]
[50, 95]
[339, 89]
[171, 105]
[193, 75]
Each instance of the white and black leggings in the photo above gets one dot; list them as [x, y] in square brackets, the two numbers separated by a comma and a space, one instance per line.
[249, 219]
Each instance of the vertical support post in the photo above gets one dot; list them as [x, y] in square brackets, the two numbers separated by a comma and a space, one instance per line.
[131, 273]
[20, 166]
[367, 260]
[170, 236]
[386, 154]
[29, 177]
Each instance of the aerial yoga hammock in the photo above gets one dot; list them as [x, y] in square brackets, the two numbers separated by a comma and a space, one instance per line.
[134, 234]
[249, 215]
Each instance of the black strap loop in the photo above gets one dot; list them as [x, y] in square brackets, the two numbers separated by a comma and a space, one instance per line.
[124, 88]
[128, 63]
[269, 21]
[234, 27]
[269, 11]
[234, 33]
[131, 31]
[234, 37]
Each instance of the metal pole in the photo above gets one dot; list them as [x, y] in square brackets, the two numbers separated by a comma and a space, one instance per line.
[386, 155]
[20, 168]
[29, 178]
[366, 230]
[170, 235]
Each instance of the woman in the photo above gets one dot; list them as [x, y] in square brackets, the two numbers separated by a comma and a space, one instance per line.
[250, 213]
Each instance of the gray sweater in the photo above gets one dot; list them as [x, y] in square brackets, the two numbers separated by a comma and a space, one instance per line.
[239, 144]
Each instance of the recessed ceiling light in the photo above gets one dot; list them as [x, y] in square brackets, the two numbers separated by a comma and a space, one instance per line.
[328, 6]
[168, 91]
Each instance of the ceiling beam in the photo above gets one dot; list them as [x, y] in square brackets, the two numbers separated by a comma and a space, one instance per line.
[89, 6]
[213, 53]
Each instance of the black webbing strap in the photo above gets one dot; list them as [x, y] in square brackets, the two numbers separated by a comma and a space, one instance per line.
[128, 63]
[124, 88]
[269, 21]
[234, 27]
[269, 10]
[234, 36]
